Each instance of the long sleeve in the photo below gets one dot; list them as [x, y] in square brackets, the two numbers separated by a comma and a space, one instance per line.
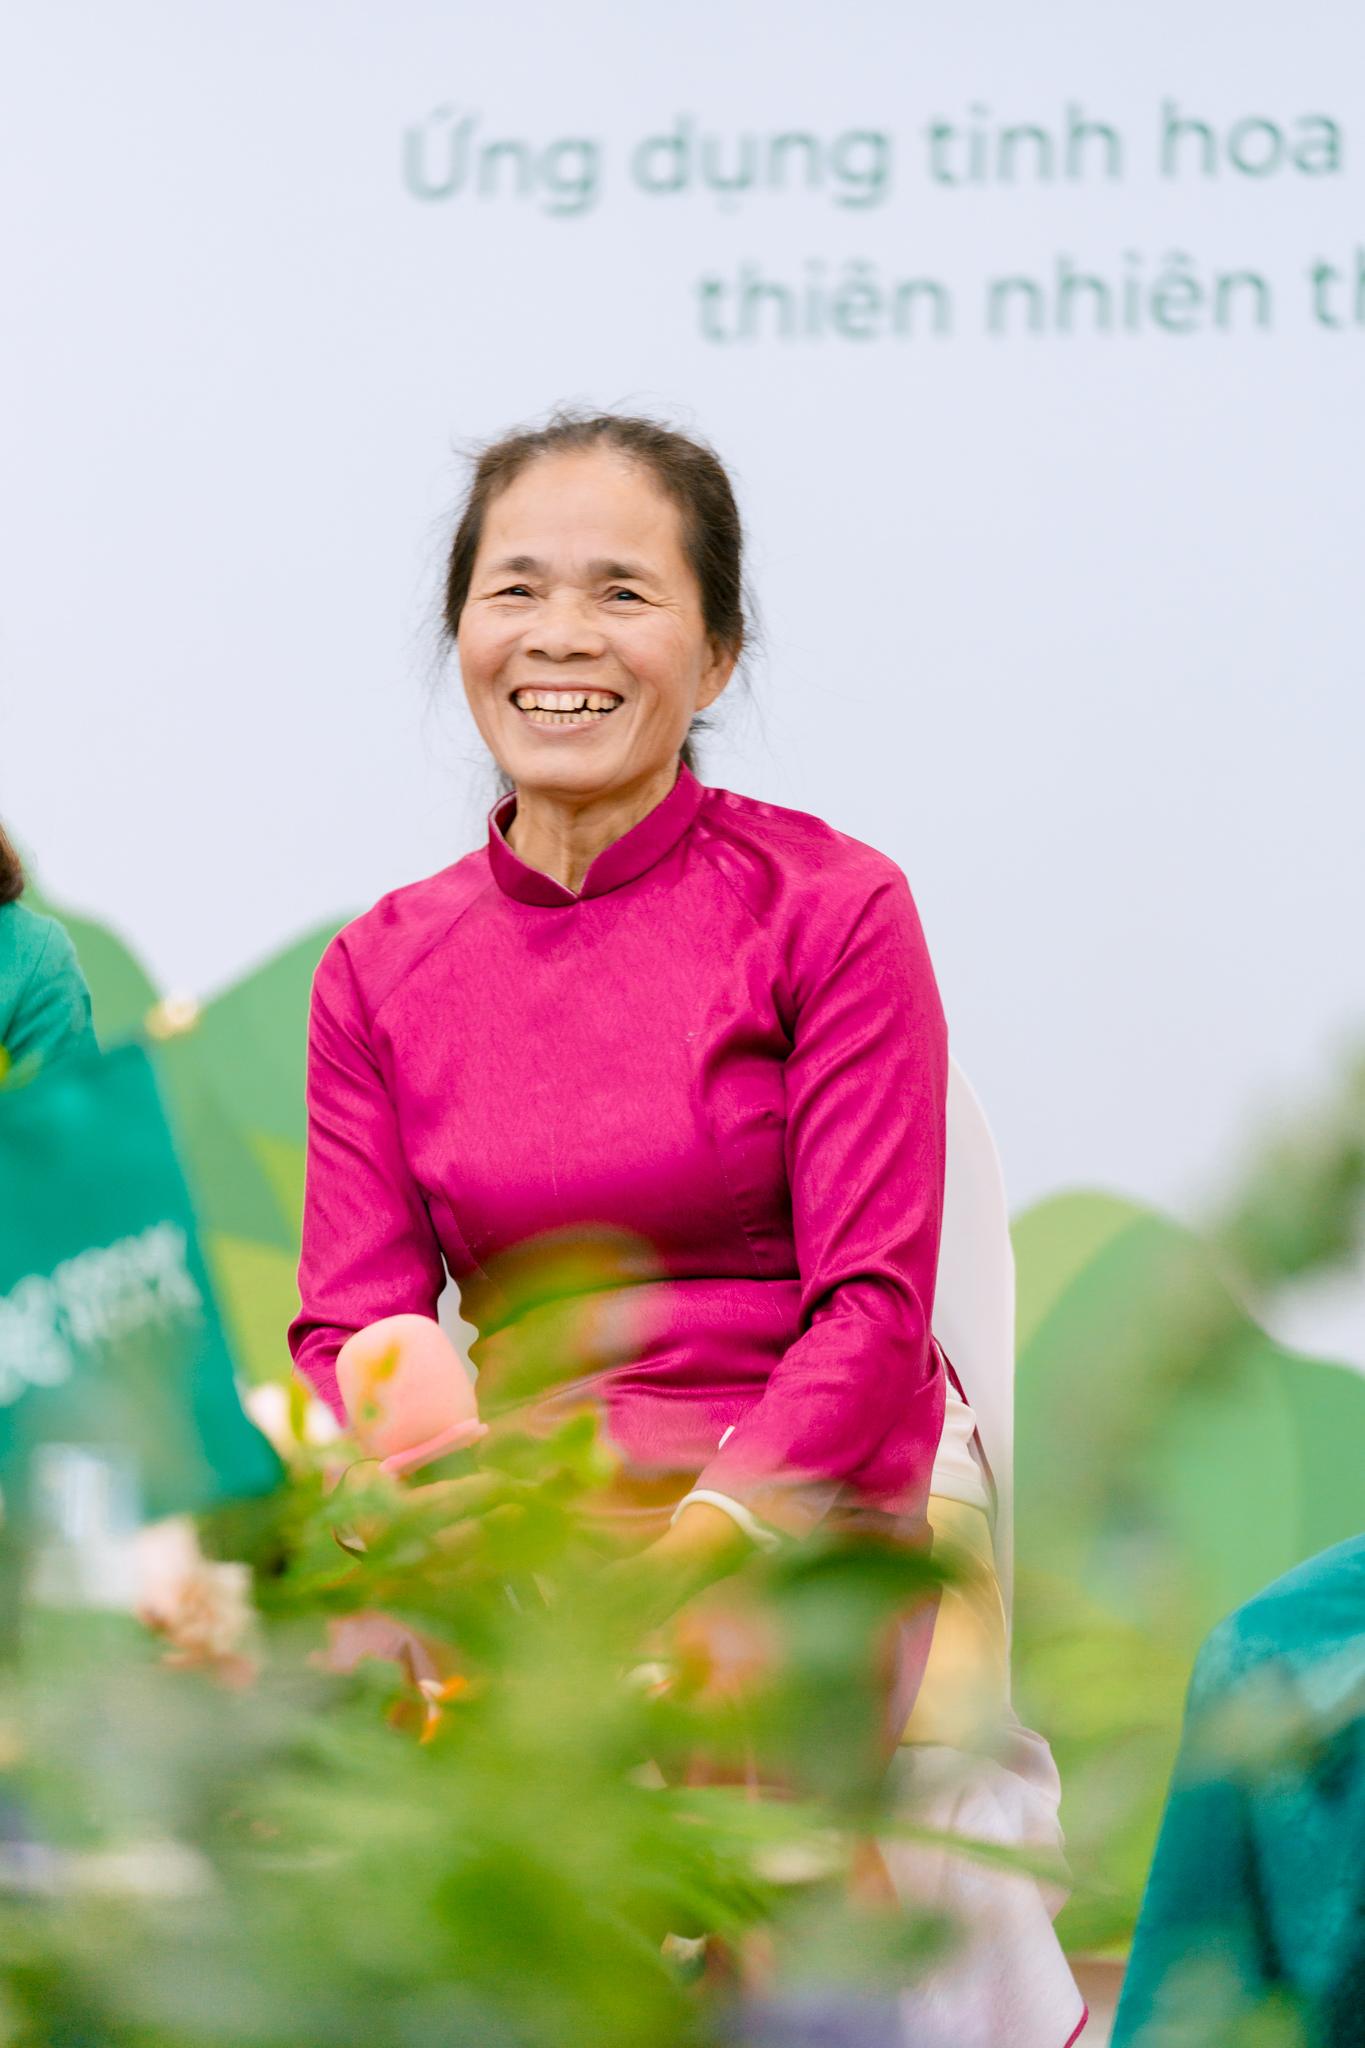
[857, 1400]
[368, 1245]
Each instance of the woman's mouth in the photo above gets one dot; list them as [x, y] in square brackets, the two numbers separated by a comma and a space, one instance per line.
[565, 707]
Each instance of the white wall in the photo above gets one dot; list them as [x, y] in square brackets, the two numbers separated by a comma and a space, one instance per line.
[1066, 622]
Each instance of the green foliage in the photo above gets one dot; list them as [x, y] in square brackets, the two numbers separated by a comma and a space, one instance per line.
[1171, 1459]
[1299, 1204]
[326, 1853]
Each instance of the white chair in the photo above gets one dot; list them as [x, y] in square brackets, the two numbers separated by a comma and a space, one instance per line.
[1008, 1983]
[974, 1301]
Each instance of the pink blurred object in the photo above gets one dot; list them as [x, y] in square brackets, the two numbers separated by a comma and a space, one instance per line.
[352, 1637]
[407, 1393]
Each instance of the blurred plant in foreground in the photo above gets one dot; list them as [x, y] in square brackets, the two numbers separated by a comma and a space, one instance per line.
[446, 1797]
[1300, 1207]
[1172, 1459]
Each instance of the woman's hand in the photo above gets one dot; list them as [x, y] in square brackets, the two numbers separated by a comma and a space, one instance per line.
[469, 1504]
[703, 1545]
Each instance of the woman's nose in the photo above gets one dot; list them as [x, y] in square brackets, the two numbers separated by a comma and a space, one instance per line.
[564, 627]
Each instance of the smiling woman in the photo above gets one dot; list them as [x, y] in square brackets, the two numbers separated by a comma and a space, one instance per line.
[658, 1074]
[677, 558]
[782, 1149]
[584, 645]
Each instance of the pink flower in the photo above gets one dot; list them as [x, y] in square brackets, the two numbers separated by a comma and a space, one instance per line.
[407, 1393]
[203, 1608]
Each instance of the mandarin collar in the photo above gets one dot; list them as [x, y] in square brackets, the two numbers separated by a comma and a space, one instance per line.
[647, 841]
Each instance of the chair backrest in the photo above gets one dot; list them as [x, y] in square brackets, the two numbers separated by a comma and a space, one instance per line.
[974, 1299]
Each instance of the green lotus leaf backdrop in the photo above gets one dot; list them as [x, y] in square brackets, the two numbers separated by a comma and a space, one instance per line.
[1171, 1456]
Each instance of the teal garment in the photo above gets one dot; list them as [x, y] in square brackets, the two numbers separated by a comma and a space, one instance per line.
[45, 1009]
[111, 1335]
[1257, 1889]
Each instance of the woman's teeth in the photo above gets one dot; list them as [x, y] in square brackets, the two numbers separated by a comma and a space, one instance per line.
[565, 707]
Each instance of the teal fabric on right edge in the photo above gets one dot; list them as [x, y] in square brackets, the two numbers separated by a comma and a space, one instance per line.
[1256, 1896]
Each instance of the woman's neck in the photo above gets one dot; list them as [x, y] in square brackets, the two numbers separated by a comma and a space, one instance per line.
[563, 835]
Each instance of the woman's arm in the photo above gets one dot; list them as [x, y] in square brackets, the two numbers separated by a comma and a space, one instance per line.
[368, 1248]
[858, 1398]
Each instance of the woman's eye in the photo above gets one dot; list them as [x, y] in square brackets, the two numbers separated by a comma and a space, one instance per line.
[515, 590]
[628, 593]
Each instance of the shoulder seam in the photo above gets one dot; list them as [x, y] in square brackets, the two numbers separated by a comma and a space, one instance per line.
[429, 949]
[718, 869]
[885, 871]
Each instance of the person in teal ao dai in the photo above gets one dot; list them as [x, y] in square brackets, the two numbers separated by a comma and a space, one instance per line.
[45, 1012]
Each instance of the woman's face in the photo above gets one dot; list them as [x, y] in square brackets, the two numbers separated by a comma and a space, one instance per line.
[582, 596]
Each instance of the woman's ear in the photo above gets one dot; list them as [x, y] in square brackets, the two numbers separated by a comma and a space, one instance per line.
[717, 674]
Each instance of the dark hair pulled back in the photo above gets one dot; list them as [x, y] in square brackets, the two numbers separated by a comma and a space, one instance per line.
[685, 468]
[11, 872]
